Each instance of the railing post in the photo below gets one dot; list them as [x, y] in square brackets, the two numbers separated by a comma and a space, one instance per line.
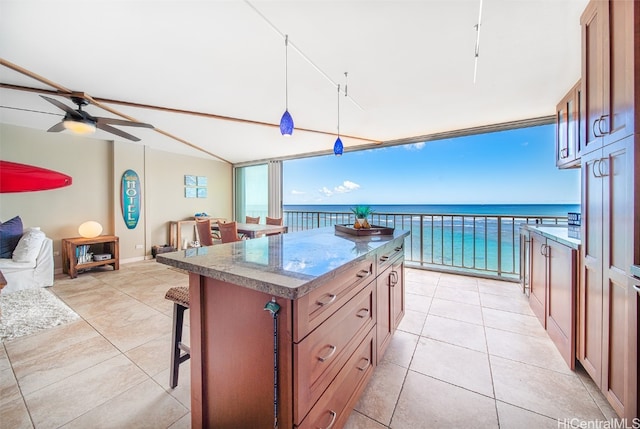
[499, 245]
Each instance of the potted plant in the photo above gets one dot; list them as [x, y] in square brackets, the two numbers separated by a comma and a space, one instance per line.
[361, 213]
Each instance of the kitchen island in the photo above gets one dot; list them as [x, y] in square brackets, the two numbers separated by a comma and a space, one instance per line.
[328, 300]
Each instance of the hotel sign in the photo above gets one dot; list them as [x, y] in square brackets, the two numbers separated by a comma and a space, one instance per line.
[130, 198]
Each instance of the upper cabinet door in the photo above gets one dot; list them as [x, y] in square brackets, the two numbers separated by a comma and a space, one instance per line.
[608, 72]
[594, 21]
[568, 139]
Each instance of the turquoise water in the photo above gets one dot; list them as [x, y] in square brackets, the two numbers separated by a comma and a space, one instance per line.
[483, 238]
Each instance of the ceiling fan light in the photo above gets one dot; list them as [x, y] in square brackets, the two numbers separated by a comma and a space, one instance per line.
[337, 147]
[79, 127]
[286, 124]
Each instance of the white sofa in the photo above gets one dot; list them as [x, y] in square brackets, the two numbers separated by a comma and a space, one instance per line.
[29, 273]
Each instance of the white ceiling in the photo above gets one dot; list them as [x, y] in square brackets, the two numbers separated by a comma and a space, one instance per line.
[410, 67]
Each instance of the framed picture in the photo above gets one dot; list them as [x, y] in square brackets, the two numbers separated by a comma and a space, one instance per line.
[189, 180]
[202, 181]
[202, 192]
[190, 192]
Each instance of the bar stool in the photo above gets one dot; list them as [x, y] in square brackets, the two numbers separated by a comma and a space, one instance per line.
[180, 297]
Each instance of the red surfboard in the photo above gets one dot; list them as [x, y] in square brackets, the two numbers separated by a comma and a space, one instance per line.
[15, 177]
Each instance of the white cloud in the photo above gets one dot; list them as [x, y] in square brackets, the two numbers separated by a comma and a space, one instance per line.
[414, 146]
[345, 187]
[296, 192]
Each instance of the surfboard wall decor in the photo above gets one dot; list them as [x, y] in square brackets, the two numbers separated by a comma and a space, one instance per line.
[130, 198]
[16, 177]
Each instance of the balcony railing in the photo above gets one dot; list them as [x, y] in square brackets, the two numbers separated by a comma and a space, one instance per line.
[486, 245]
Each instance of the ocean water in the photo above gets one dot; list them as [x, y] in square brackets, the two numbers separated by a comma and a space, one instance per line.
[461, 209]
[468, 237]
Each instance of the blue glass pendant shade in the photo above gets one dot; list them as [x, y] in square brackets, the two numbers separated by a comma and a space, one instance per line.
[286, 123]
[337, 147]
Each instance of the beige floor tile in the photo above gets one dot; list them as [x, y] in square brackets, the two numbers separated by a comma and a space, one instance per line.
[423, 276]
[458, 295]
[4, 359]
[602, 403]
[144, 406]
[418, 288]
[455, 332]
[14, 414]
[456, 365]
[49, 368]
[9, 390]
[513, 322]
[104, 301]
[154, 356]
[542, 391]
[427, 403]
[412, 322]
[381, 394]
[183, 423]
[469, 284]
[456, 310]
[57, 339]
[496, 287]
[360, 421]
[61, 402]
[401, 348]
[417, 302]
[512, 417]
[532, 350]
[139, 329]
[182, 392]
[515, 304]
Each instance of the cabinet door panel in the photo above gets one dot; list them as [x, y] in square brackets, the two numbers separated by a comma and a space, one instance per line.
[561, 298]
[538, 277]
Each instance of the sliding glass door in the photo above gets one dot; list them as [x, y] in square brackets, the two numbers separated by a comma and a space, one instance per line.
[258, 191]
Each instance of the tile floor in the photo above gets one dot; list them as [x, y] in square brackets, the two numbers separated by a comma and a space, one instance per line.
[469, 353]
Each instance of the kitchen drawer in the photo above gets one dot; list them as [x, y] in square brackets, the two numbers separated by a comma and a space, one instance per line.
[320, 356]
[318, 305]
[389, 254]
[336, 404]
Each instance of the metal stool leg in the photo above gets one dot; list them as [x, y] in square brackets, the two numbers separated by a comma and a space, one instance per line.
[177, 347]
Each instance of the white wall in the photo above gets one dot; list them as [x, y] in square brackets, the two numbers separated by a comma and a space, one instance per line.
[96, 167]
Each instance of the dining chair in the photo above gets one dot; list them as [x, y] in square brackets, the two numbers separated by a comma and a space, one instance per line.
[249, 219]
[229, 232]
[203, 227]
[274, 221]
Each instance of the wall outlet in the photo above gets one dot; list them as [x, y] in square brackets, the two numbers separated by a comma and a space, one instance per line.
[56, 253]
[139, 246]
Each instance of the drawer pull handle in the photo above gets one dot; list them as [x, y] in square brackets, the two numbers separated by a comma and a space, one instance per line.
[367, 363]
[393, 278]
[397, 249]
[363, 273]
[332, 298]
[384, 258]
[331, 352]
[637, 288]
[333, 419]
[362, 315]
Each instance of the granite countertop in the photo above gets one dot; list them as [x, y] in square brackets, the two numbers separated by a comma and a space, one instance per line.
[285, 265]
[560, 233]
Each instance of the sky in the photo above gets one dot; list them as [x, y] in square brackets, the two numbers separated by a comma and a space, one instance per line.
[506, 167]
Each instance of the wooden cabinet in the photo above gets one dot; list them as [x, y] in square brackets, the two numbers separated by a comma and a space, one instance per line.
[101, 244]
[552, 296]
[608, 72]
[390, 290]
[568, 137]
[609, 246]
[327, 345]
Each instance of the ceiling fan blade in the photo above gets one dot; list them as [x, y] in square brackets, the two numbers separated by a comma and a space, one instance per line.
[62, 106]
[115, 121]
[117, 132]
[56, 128]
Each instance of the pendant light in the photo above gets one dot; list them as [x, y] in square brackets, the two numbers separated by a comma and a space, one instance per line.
[337, 146]
[286, 122]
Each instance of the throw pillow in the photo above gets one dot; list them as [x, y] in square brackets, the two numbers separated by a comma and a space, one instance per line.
[29, 246]
[10, 233]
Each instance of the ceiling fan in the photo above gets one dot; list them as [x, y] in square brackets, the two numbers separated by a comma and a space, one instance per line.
[82, 122]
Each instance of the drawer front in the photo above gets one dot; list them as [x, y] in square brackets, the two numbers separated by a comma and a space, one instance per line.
[389, 254]
[320, 356]
[318, 305]
[334, 407]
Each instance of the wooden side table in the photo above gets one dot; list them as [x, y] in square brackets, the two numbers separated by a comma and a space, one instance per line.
[100, 244]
